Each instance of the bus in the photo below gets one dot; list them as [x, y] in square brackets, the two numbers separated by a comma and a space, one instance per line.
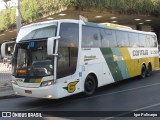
[59, 58]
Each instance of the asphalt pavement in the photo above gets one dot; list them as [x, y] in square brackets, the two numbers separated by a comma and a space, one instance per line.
[121, 98]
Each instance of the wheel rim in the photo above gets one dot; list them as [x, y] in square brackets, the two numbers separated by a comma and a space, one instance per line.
[89, 85]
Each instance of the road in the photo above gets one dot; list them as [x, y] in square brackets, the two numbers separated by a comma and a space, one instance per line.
[128, 95]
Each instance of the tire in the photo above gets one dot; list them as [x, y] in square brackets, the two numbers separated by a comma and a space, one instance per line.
[90, 85]
[149, 70]
[143, 72]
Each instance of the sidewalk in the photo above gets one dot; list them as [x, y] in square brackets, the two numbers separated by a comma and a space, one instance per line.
[6, 90]
[5, 68]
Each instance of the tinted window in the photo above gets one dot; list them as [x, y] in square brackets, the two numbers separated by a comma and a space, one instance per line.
[154, 39]
[68, 49]
[122, 38]
[63, 62]
[90, 37]
[142, 40]
[69, 33]
[73, 59]
[108, 38]
[44, 32]
[133, 39]
[151, 41]
[148, 41]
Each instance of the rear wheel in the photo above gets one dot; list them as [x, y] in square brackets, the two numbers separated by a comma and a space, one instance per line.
[89, 85]
[149, 70]
[143, 72]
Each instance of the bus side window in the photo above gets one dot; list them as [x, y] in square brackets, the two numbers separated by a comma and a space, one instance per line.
[69, 35]
[90, 37]
[63, 62]
[154, 40]
[142, 40]
[108, 38]
[148, 41]
[113, 41]
[105, 37]
[133, 39]
[68, 49]
[122, 38]
[63, 58]
[67, 61]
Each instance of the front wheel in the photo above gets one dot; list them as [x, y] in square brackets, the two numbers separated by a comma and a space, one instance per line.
[89, 85]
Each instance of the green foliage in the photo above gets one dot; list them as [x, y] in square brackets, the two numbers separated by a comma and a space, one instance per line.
[12, 16]
[7, 18]
[147, 7]
[29, 9]
[33, 9]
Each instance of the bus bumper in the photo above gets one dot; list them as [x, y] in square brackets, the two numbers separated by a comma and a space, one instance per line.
[41, 92]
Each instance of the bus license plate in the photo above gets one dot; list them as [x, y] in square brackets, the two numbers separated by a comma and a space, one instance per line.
[28, 91]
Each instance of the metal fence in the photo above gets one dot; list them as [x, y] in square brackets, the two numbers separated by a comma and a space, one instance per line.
[5, 75]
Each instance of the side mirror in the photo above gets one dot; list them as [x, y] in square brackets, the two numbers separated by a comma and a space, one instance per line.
[3, 52]
[7, 48]
[52, 45]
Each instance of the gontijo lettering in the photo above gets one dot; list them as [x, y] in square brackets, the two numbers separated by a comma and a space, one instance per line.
[140, 52]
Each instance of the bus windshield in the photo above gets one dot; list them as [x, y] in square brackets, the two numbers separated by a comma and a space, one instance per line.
[31, 59]
[30, 55]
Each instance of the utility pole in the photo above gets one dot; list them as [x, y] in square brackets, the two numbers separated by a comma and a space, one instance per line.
[18, 16]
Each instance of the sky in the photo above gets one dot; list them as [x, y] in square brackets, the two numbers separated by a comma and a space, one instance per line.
[2, 4]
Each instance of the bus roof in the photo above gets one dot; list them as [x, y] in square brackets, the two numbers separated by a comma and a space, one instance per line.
[51, 22]
[116, 27]
[103, 25]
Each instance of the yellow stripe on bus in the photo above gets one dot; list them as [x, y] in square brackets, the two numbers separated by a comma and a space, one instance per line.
[132, 64]
[38, 80]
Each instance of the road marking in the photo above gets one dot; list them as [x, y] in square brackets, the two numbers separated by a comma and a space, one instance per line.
[96, 96]
[125, 113]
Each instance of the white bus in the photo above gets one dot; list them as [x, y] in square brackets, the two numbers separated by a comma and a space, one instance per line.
[59, 58]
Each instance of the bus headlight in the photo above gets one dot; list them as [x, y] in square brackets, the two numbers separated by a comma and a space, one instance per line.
[47, 83]
[14, 82]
